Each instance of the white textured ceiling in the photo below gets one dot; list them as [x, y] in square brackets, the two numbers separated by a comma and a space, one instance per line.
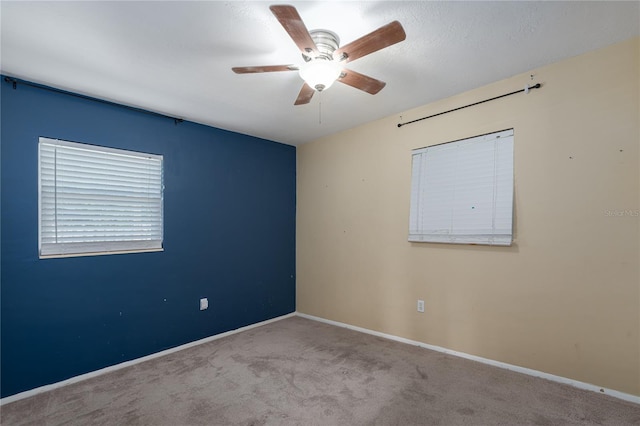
[176, 57]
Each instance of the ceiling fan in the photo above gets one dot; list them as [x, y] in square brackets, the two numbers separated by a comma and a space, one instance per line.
[324, 60]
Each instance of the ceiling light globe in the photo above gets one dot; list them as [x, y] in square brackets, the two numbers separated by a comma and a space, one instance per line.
[320, 73]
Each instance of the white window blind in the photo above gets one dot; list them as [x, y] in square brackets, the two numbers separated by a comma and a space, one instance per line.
[96, 200]
[462, 192]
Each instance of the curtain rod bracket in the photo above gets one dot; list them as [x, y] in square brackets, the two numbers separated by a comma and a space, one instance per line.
[12, 80]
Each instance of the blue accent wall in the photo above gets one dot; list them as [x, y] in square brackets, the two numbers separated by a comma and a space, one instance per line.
[229, 235]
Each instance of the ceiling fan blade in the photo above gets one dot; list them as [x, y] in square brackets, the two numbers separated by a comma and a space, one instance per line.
[361, 81]
[266, 68]
[305, 95]
[290, 19]
[391, 33]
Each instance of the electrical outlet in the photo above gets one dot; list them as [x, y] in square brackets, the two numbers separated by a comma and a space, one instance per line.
[420, 305]
[204, 303]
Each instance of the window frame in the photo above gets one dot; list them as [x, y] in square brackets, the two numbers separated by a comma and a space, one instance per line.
[97, 248]
[426, 218]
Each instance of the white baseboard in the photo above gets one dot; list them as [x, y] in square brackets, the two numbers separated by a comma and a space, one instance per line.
[527, 371]
[111, 368]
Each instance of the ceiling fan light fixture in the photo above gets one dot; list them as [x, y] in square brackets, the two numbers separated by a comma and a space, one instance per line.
[320, 74]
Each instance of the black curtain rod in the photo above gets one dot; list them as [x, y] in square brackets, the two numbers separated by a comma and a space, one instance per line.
[15, 82]
[525, 90]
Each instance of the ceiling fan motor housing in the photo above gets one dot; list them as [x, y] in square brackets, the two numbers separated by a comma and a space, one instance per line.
[326, 41]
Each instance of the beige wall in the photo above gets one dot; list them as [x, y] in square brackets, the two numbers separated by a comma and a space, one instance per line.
[564, 299]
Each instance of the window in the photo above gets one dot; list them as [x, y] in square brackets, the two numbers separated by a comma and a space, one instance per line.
[462, 192]
[97, 200]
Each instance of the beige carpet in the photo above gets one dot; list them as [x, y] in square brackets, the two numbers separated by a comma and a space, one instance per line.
[301, 372]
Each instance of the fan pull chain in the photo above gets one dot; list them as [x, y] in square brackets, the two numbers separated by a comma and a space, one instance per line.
[320, 107]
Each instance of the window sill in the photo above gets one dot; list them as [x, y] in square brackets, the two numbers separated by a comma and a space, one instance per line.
[57, 256]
